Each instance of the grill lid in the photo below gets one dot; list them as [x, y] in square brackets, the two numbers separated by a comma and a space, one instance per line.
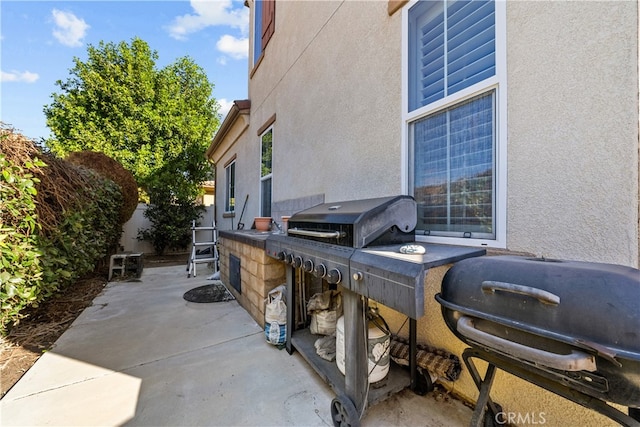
[363, 220]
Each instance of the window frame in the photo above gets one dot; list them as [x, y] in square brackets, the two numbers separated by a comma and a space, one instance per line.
[230, 169]
[262, 33]
[268, 176]
[499, 84]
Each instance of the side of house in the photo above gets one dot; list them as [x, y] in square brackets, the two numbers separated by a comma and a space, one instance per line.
[519, 134]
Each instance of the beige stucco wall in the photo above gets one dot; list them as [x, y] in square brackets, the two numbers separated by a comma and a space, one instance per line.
[332, 75]
[573, 130]
[334, 83]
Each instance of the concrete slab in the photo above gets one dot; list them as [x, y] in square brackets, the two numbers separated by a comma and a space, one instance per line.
[142, 355]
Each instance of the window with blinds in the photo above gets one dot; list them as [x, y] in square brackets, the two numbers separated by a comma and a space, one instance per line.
[452, 132]
[454, 162]
[451, 47]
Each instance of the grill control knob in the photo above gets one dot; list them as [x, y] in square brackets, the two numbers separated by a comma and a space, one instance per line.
[320, 270]
[307, 266]
[334, 276]
[357, 276]
[288, 259]
[280, 255]
[297, 262]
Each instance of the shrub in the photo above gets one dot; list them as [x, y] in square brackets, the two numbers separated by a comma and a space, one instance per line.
[21, 272]
[57, 221]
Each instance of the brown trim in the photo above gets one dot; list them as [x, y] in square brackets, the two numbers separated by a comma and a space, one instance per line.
[230, 160]
[256, 65]
[238, 108]
[266, 124]
[268, 21]
[394, 5]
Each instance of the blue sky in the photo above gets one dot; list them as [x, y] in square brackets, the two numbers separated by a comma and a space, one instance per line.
[39, 40]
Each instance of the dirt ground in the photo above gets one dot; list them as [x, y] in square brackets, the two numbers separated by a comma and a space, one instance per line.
[43, 325]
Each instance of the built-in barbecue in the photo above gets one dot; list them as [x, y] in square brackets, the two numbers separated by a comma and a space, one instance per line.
[570, 327]
[366, 249]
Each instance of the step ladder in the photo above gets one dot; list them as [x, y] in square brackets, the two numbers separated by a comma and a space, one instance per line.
[198, 247]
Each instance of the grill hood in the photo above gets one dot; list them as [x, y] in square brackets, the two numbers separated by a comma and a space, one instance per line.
[363, 220]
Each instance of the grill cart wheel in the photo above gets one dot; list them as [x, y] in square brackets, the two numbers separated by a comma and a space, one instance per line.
[425, 385]
[343, 412]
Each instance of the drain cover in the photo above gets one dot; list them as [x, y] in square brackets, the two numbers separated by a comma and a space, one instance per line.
[208, 293]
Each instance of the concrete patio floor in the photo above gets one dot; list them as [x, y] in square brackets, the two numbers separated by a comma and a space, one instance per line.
[143, 356]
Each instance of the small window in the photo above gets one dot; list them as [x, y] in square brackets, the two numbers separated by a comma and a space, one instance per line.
[264, 20]
[230, 194]
[266, 149]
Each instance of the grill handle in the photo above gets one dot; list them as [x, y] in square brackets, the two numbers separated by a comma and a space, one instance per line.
[575, 361]
[318, 234]
[542, 296]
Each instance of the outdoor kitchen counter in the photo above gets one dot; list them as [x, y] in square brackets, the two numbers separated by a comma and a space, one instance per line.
[250, 237]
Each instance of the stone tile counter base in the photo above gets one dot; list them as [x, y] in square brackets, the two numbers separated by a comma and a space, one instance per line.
[259, 273]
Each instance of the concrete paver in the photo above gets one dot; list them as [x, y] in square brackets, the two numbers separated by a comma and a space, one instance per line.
[143, 356]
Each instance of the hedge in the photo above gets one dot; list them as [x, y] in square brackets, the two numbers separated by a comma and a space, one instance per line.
[57, 222]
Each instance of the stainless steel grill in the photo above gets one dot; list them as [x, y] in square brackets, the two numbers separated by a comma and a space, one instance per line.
[355, 246]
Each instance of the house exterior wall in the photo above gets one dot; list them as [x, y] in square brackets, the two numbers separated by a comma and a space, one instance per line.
[334, 82]
[332, 136]
[332, 76]
[573, 130]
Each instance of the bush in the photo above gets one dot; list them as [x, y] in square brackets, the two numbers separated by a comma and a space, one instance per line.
[57, 221]
[171, 221]
[21, 273]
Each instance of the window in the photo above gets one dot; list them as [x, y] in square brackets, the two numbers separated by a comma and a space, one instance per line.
[266, 146]
[454, 100]
[230, 194]
[264, 20]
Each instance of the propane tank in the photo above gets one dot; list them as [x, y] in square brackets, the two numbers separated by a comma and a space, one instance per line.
[378, 344]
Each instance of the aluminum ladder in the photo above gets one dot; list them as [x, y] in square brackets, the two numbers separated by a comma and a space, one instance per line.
[197, 247]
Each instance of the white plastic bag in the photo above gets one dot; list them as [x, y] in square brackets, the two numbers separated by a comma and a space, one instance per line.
[275, 316]
[325, 308]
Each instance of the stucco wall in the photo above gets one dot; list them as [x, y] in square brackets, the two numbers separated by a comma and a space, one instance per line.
[573, 130]
[334, 83]
[332, 75]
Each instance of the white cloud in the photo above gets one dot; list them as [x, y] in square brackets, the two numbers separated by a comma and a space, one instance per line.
[17, 76]
[225, 106]
[69, 29]
[234, 47]
[209, 13]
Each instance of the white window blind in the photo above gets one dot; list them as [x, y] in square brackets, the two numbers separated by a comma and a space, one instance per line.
[451, 47]
[454, 163]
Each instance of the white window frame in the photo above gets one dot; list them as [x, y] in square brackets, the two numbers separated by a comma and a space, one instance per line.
[269, 176]
[498, 83]
[227, 199]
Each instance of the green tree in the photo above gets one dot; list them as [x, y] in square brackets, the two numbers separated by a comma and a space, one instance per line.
[156, 122]
[149, 119]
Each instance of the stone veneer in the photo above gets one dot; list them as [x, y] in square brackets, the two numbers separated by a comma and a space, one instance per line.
[259, 273]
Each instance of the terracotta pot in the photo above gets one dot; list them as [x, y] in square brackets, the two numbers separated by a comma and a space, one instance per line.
[285, 223]
[263, 223]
